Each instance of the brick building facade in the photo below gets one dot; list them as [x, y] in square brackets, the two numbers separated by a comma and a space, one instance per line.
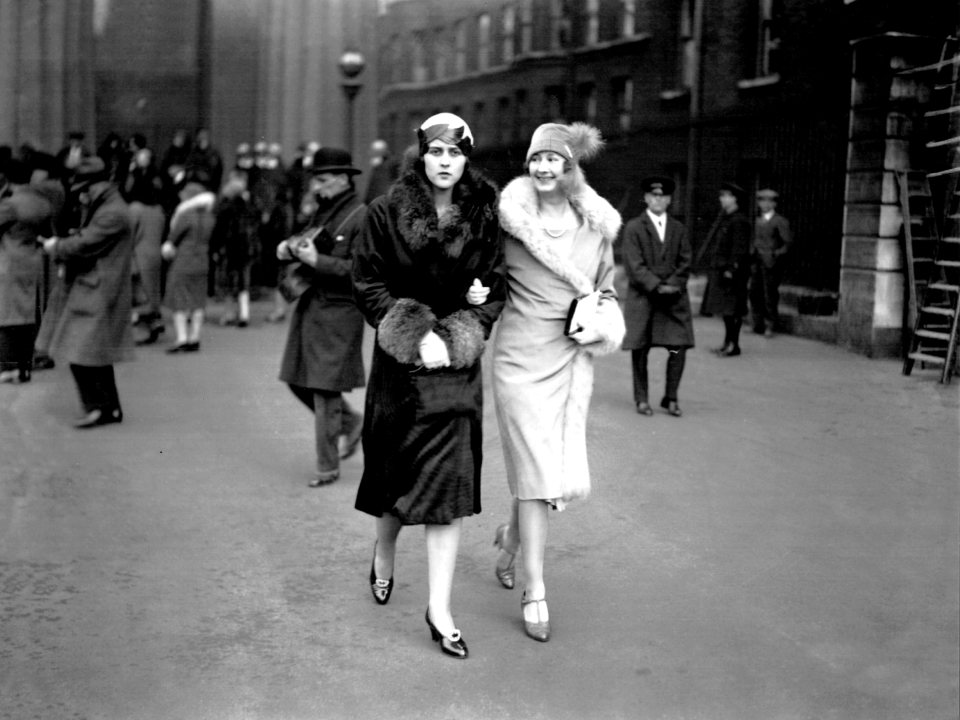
[758, 91]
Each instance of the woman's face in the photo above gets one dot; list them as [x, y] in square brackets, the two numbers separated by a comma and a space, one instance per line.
[444, 164]
[546, 169]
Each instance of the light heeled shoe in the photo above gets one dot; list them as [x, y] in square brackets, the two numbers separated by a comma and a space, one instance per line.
[540, 629]
[453, 645]
[506, 575]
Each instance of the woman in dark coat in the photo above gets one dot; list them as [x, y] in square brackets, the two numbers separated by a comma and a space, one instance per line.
[91, 328]
[657, 307]
[726, 255]
[188, 246]
[430, 279]
[235, 246]
[323, 356]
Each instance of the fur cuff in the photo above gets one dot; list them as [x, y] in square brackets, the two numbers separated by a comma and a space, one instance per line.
[402, 329]
[610, 326]
[464, 336]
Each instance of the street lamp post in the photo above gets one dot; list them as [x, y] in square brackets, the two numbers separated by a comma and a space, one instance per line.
[351, 64]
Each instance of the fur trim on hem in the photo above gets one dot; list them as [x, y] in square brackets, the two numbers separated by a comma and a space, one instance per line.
[402, 329]
[464, 337]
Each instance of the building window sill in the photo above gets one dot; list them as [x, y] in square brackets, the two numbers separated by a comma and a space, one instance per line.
[675, 94]
[758, 82]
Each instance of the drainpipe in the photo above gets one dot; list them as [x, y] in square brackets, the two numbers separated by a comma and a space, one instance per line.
[693, 138]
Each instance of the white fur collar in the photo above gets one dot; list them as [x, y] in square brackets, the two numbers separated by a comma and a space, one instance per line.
[518, 216]
[204, 200]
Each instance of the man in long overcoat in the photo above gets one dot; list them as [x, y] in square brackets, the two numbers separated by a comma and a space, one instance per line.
[323, 357]
[92, 330]
[656, 258]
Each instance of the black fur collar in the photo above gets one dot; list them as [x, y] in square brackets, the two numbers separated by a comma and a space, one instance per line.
[472, 217]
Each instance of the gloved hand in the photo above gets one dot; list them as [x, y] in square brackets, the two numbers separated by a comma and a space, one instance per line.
[477, 293]
[433, 352]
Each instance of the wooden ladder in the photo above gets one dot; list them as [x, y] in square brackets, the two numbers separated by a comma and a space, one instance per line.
[932, 229]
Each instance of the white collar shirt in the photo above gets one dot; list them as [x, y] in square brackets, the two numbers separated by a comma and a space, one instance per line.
[660, 223]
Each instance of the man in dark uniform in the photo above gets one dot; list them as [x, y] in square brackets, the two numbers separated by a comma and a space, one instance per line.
[771, 243]
[323, 358]
[656, 258]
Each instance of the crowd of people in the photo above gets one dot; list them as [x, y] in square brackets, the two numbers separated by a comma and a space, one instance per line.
[432, 258]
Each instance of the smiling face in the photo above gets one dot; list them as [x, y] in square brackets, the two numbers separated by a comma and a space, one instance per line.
[547, 170]
[444, 164]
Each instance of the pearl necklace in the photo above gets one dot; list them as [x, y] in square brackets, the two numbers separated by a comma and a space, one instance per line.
[555, 234]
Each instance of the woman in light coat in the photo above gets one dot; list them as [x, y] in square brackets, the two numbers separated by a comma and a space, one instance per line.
[188, 247]
[559, 248]
[429, 278]
[25, 215]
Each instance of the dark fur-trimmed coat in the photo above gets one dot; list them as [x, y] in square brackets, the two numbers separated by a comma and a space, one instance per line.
[422, 429]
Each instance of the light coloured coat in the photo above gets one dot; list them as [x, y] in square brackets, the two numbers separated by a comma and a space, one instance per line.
[24, 215]
[93, 326]
[543, 380]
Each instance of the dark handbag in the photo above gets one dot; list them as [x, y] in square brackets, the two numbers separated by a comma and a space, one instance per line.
[445, 392]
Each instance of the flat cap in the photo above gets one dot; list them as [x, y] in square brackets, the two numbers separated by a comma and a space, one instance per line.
[658, 182]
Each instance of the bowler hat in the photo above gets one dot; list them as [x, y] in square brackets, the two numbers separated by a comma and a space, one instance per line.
[333, 160]
[90, 170]
[767, 194]
[658, 182]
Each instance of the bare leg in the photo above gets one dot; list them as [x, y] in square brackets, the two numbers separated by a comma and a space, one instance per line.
[533, 516]
[388, 528]
[442, 544]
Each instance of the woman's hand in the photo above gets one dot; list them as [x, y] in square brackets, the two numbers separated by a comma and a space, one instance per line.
[478, 292]
[168, 250]
[49, 244]
[433, 352]
[586, 336]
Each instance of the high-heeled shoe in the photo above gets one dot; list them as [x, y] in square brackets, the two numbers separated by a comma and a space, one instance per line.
[381, 589]
[539, 630]
[506, 575]
[453, 645]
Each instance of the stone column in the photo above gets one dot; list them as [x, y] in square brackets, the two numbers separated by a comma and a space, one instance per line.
[883, 109]
[46, 72]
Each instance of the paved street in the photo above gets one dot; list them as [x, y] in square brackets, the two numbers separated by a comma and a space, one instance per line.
[787, 550]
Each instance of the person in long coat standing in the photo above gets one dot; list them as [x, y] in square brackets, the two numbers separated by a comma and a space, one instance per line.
[92, 328]
[559, 248]
[429, 278]
[656, 260]
[188, 247]
[25, 215]
[323, 359]
[726, 255]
